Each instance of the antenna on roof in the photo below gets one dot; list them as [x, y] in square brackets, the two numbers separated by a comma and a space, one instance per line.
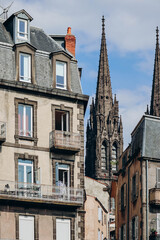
[4, 15]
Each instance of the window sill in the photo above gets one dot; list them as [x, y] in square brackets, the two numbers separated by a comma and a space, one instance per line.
[26, 138]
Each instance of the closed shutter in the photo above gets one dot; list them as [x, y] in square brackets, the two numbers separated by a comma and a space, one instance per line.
[63, 229]
[124, 232]
[125, 195]
[136, 228]
[130, 230]
[26, 228]
[158, 177]
[119, 233]
[137, 184]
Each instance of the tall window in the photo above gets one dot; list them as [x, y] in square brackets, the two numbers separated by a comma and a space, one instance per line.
[158, 177]
[25, 67]
[26, 227]
[158, 223]
[62, 120]
[104, 156]
[25, 171]
[63, 229]
[114, 157]
[62, 175]
[60, 75]
[25, 120]
[22, 29]
[134, 228]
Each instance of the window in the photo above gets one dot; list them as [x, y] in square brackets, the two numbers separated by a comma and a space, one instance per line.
[158, 223]
[60, 75]
[122, 197]
[112, 204]
[158, 177]
[134, 228]
[104, 156]
[63, 229]
[25, 171]
[22, 29]
[25, 120]
[26, 228]
[102, 236]
[25, 67]
[122, 232]
[62, 175]
[99, 234]
[135, 186]
[62, 120]
[114, 157]
[100, 214]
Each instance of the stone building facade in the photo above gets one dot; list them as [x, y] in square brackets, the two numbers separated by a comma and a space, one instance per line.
[97, 210]
[41, 134]
[138, 189]
[104, 137]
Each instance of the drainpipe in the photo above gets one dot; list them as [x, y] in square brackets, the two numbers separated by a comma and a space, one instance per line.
[147, 208]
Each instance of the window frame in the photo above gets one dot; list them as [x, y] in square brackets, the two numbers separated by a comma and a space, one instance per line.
[25, 165]
[25, 78]
[24, 123]
[64, 85]
[25, 27]
[26, 101]
[62, 113]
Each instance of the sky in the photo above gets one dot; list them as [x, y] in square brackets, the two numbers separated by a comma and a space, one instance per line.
[130, 33]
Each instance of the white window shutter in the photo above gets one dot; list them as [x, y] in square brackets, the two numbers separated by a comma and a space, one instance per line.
[124, 232]
[137, 184]
[99, 214]
[119, 233]
[158, 223]
[136, 228]
[158, 177]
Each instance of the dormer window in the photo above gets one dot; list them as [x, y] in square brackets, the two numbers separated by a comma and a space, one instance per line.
[22, 29]
[25, 67]
[60, 74]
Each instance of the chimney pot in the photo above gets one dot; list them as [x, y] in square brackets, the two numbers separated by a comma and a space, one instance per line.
[69, 30]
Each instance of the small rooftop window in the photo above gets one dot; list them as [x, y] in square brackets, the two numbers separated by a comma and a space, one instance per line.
[22, 29]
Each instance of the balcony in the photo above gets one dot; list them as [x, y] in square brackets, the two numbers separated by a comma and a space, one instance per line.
[2, 132]
[154, 196]
[67, 141]
[41, 193]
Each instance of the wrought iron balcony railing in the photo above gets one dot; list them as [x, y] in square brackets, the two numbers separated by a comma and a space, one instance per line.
[2, 131]
[64, 140]
[46, 193]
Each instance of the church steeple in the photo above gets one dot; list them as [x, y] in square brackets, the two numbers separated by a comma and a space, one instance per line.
[155, 98]
[104, 140]
[104, 92]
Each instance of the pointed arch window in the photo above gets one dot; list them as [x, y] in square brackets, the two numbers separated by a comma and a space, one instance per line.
[114, 157]
[104, 156]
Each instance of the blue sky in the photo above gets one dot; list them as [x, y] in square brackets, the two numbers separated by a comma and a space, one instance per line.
[130, 33]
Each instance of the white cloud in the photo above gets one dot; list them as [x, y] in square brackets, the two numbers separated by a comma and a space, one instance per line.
[133, 104]
[130, 25]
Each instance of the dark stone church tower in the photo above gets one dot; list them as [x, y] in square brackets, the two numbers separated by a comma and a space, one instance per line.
[155, 98]
[104, 141]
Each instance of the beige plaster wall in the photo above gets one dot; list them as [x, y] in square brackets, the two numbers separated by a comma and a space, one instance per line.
[7, 225]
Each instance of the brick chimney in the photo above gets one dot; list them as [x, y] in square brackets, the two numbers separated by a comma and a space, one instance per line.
[70, 42]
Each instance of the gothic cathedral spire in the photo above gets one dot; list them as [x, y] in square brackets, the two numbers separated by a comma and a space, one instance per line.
[155, 98]
[104, 141]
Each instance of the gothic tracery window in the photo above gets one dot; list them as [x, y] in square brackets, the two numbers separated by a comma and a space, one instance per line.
[114, 157]
[104, 156]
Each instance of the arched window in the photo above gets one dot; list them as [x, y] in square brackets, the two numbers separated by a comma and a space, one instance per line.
[104, 156]
[114, 157]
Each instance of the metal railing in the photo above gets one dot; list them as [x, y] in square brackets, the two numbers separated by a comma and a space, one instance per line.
[64, 140]
[2, 130]
[41, 192]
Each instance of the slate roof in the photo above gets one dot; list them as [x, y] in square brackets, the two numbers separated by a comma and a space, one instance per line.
[43, 42]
